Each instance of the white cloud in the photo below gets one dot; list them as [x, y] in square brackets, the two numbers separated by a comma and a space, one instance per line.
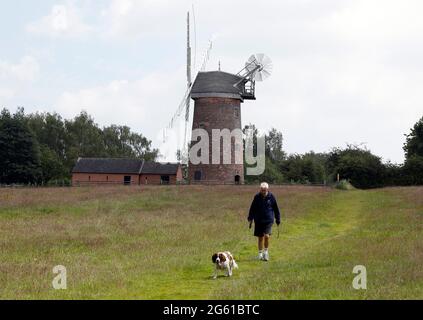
[16, 76]
[347, 72]
[6, 93]
[26, 70]
[378, 21]
[344, 71]
[144, 104]
[132, 19]
[63, 20]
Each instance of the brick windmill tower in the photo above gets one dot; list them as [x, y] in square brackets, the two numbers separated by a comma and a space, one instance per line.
[217, 99]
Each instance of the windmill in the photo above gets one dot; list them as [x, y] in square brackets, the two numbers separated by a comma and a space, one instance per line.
[218, 96]
[228, 91]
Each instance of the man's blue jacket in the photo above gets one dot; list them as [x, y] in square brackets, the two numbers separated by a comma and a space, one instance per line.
[264, 209]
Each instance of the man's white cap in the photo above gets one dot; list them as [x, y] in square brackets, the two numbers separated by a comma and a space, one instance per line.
[264, 185]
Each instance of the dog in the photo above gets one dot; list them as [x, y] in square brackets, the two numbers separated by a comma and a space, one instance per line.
[224, 261]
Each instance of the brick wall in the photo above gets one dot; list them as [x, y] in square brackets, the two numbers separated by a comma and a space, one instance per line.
[97, 178]
[85, 179]
[156, 179]
[217, 113]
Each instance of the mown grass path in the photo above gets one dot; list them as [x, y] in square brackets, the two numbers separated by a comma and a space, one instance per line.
[156, 243]
[326, 219]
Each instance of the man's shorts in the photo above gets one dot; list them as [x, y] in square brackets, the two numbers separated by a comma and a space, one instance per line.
[260, 229]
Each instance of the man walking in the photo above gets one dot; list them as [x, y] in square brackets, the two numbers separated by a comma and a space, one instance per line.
[264, 211]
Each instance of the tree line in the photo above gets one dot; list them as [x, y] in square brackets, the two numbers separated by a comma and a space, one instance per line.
[355, 164]
[42, 148]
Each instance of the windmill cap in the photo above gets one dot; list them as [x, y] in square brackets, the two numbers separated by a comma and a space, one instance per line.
[216, 84]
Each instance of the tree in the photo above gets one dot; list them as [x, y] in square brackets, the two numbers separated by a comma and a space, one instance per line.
[413, 170]
[359, 166]
[274, 142]
[252, 131]
[41, 147]
[117, 141]
[394, 175]
[52, 167]
[142, 147]
[83, 139]
[315, 167]
[307, 168]
[292, 168]
[49, 130]
[20, 154]
[413, 148]
[273, 152]
[271, 174]
[413, 145]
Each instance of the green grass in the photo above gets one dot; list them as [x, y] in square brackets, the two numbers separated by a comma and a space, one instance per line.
[157, 242]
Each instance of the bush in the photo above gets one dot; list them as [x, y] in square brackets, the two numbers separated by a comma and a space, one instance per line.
[307, 168]
[344, 185]
[413, 145]
[359, 166]
[413, 170]
[59, 183]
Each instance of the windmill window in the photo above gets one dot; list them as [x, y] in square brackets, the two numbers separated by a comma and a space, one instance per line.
[201, 125]
[236, 112]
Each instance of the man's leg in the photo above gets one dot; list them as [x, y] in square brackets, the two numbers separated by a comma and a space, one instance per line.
[266, 241]
[266, 247]
[260, 243]
[260, 247]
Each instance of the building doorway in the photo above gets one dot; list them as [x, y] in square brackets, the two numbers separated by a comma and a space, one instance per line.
[127, 180]
[237, 179]
[164, 179]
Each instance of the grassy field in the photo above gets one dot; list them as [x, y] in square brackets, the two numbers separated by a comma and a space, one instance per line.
[157, 242]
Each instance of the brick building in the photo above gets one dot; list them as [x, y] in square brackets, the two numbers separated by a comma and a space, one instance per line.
[217, 99]
[124, 171]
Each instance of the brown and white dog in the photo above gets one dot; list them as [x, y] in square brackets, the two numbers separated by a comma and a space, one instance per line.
[224, 261]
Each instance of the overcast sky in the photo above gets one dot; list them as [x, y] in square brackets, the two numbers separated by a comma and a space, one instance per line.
[344, 71]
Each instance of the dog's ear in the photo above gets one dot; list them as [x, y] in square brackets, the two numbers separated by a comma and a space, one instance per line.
[214, 257]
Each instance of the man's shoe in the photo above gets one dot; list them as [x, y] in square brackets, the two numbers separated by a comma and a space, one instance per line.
[266, 256]
[260, 256]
